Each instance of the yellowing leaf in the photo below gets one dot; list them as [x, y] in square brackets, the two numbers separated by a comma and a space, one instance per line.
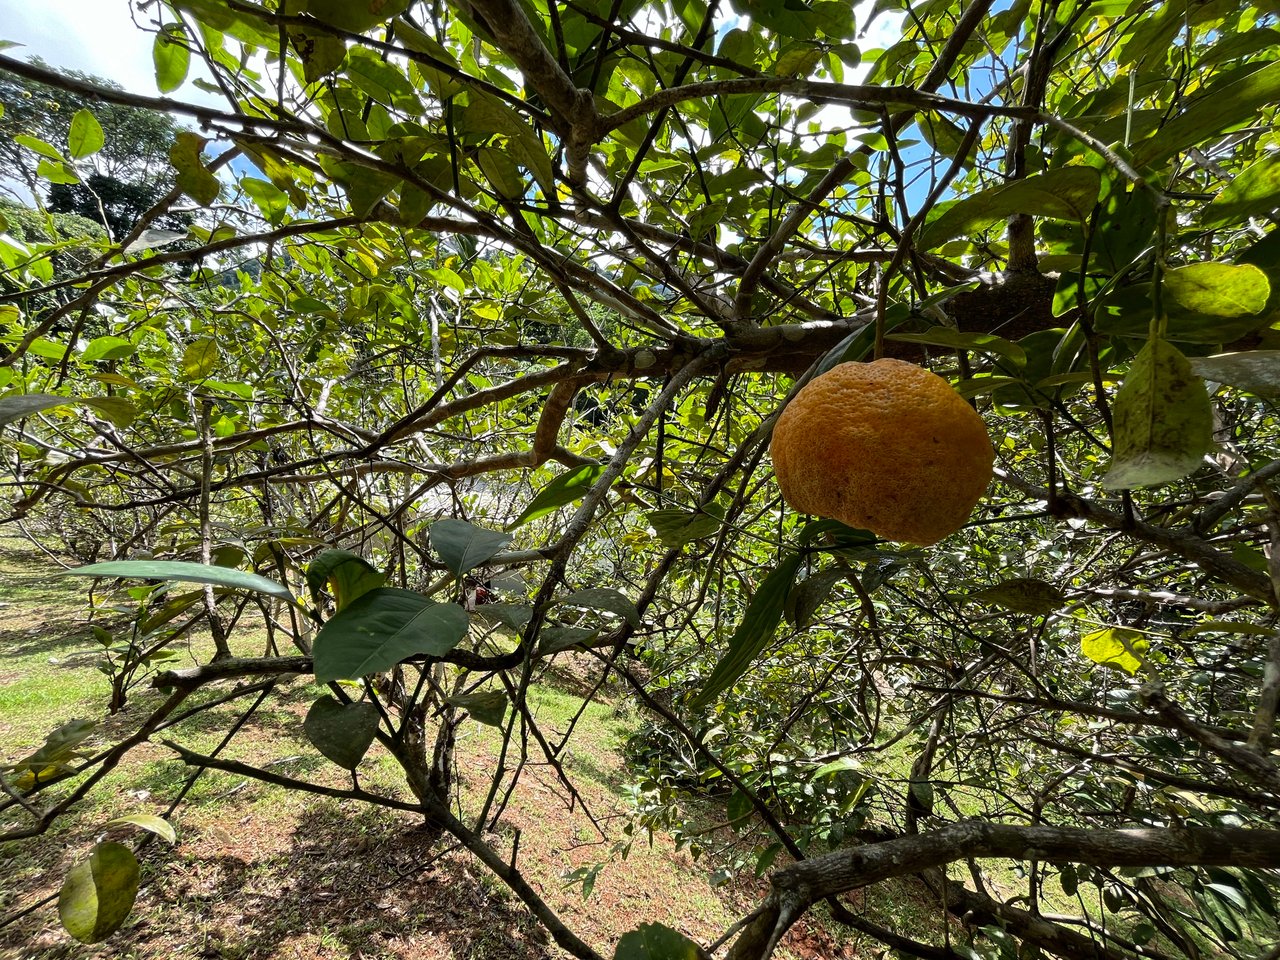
[1219, 289]
[1115, 647]
[199, 359]
[194, 179]
[1163, 420]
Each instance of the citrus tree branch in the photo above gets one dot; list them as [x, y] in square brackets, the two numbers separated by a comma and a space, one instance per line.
[795, 888]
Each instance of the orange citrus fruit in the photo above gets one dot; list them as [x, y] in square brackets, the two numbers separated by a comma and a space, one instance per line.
[885, 446]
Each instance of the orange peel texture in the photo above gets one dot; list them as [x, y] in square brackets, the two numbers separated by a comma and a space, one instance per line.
[885, 446]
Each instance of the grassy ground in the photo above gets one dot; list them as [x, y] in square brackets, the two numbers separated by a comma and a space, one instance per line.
[260, 872]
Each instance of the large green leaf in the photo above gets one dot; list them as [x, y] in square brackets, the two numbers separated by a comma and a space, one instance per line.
[1255, 192]
[1219, 289]
[321, 53]
[356, 16]
[654, 941]
[513, 616]
[183, 572]
[382, 628]
[804, 599]
[1126, 312]
[982, 342]
[18, 405]
[554, 639]
[98, 893]
[1224, 104]
[118, 410]
[107, 348]
[200, 358]
[1163, 420]
[1257, 371]
[463, 546]
[343, 732]
[753, 633]
[564, 489]
[1065, 194]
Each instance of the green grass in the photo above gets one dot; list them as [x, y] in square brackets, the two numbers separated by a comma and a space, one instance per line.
[261, 872]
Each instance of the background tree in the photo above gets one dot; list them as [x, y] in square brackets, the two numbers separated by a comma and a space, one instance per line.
[113, 185]
[529, 286]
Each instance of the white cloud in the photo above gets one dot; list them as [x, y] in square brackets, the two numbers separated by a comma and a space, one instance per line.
[95, 37]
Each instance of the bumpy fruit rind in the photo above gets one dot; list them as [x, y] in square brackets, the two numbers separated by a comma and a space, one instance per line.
[885, 446]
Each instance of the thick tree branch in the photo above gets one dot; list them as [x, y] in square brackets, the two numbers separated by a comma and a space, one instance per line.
[799, 886]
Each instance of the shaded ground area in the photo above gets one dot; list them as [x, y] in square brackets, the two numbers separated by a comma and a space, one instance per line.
[259, 872]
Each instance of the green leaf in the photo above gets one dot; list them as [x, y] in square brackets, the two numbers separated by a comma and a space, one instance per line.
[1068, 193]
[161, 827]
[270, 199]
[676, 527]
[85, 137]
[982, 342]
[1107, 647]
[513, 616]
[842, 765]
[654, 941]
[39, 146]
[118, 410]
[183, 572]
[355, 16]
[193, 178]
[809, 594]
[1257, 371]
[753, 633]
[321, 53]
[463, 546]
[18, 405]
[342, 732]
[98, 893]
[767, 857]
[1255, 192]
[500, 170]
[107, 348]
[200, 358]
[488, 707]
[1163, 420]
[564, 489]
[54, 756]
[606, 599]
[382, 628]
[945, 137]
[1126, 312]
[171, 57]
[554, 639]
[347, 576]
[1023, 595]
[56, 171]
[1223, 104]
[442, 82]
[1219, 289]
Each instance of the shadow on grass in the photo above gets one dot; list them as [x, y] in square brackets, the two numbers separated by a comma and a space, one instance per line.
[348, 882]
[52, 637]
